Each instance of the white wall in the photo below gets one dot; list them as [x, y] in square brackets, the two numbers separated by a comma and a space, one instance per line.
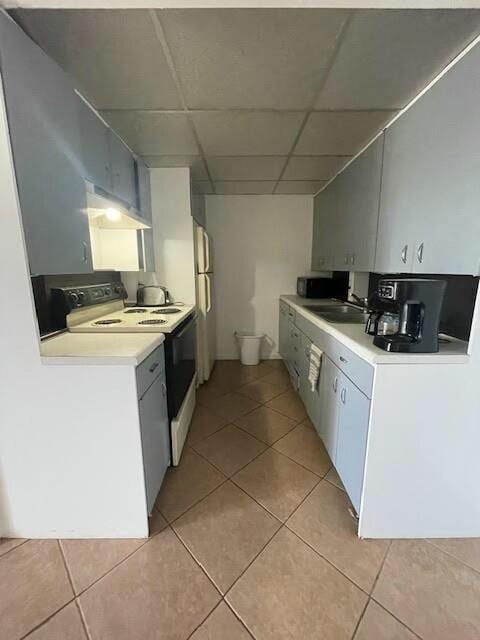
[172, 224]
[261, 245]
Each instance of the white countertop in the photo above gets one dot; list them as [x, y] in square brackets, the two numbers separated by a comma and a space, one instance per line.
[99, 348]
[354, 337]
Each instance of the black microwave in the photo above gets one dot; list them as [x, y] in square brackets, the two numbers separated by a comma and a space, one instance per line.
[313, 287]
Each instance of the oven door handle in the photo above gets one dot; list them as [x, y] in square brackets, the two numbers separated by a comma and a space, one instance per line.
[185, 329]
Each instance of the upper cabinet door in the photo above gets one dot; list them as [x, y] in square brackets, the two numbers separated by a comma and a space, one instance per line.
[43, 122]
[359, 207]
[123, 170]
[144, 192]
[95, 149]
[325, 227]
[431, 187]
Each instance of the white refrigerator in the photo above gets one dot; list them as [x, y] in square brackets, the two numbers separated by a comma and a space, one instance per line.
[205, 286]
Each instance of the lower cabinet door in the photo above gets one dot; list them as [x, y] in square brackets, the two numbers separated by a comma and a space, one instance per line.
[311, 399]
[352, 438]
[330, 379]
[155, 438]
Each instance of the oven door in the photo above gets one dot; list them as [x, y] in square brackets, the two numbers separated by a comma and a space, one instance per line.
[180, 352]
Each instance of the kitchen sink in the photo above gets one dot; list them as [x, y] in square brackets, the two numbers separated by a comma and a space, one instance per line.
[341, 313]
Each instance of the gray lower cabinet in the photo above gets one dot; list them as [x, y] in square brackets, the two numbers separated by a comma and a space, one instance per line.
[329, 406]
[123, 170]
[429, 219]
[95, 147]
[155, 437]
[42, 115]
[352, 431]
[311, 398]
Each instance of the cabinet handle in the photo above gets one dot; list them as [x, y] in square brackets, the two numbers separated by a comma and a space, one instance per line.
[85, 251]
[346, 259]
[164, 389]
[342, 359]
[352, 259]
[153, 367]
[404, 254]
[335, 385]
[420, 253]
[343, 395]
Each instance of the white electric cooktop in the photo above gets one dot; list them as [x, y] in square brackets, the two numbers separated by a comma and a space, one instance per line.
[136, 319]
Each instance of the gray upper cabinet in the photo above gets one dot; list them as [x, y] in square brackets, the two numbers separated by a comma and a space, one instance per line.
[325, 228]
[123, 170]
[95, 147]
[358, 207]
[144, 204]
[198, 209]
[429, 219]
[43, 122]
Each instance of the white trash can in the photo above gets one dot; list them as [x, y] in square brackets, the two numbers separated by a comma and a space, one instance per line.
[249, 347]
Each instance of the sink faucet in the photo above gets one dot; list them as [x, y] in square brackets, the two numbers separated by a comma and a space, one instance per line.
[363, 302]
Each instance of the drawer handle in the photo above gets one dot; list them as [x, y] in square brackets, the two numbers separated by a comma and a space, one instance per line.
[420, 253]
[153, 367]
[342, 359]
[335, 385]
[404, 254]
[343, 395]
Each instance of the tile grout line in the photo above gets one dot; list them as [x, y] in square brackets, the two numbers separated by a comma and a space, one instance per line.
[49, 617]
[359, 621]
[3, 555]
[394, 615]
[447, 553]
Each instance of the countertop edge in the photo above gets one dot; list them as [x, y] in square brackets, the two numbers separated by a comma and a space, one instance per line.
[102, 360]
[372, 358]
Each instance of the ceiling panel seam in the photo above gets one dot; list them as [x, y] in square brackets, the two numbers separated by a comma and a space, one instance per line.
[160, 33]
[333, 56]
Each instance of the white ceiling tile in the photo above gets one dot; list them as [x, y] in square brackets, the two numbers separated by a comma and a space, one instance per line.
[114, 57]
[202, 186]
[237, 133]
[251, 58]
[314, 168]
[244, 188]
[388, 56]
[246, 167]
[300, 186]
[196, 164]
[340, 133]
[153, 133]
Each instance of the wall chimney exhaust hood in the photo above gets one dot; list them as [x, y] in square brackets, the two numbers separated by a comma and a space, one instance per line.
[106, 212]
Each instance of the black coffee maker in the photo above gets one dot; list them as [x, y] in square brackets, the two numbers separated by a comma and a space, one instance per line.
[417, 303]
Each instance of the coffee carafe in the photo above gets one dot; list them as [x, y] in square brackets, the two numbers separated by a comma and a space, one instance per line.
[405, 314]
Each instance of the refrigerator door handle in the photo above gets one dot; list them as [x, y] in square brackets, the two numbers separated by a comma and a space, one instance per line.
[209, 293]
[206, 248]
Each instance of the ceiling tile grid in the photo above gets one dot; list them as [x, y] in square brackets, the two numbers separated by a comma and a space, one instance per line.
[253, 100]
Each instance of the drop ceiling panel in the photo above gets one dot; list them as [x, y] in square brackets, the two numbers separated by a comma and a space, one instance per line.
[300, 186]
[153, 133]
[314, 168]
[247, 133]
[246, 167]
[244, 188]
[340, 133]
[114, 56]
[389, 56]
[251, 58]
[196, 164]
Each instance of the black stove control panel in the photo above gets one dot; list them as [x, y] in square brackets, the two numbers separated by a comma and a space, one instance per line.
[65, 299]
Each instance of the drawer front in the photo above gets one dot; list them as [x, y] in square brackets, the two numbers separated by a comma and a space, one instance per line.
[149, 369]
[358, 370]
[296, 346]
